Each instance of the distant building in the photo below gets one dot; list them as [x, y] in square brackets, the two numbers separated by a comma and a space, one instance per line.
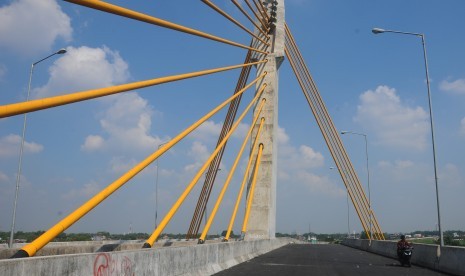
[19, 240]
[417, 236]
[99, 238]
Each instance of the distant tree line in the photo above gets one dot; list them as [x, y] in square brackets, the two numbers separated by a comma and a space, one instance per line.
[449, 238]
[66, 237]
[332, 238]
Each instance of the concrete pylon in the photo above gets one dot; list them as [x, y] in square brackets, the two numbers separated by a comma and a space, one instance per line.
[262, 220]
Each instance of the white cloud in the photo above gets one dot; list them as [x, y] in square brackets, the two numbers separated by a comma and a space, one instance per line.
[462, 127]
[87, 191]
[404, 164]
[403, 173]
[127, 123]
[291, 159]
[210, 131]
[9, 146]
[451, 176]
[199, 152]
[311, 157]
[457, 86]
[93, 142]
[241, 131]
[319, 184]
[302, 159]
[398, 164]
[4, 177]
[394, 123]
[295, 165]
[283, 138]
[31, 26]
[119, 165]
[84, 68]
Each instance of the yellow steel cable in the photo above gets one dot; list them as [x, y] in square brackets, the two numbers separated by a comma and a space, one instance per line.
[230, 18]
[263, 9]
[361, 197]
[151, 240]
[250, 18]
[213, 169]
[61, 226]
[379, 228]
[39, 104]
[260, 11]
[359, 189]
[114, 9]
[244, 180]
[346, 161]
[318, 119]
[252, 189]
[330, 128]
[228, 180]
[256, 15]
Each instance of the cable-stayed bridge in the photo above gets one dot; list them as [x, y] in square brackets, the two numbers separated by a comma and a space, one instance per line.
[271, 43]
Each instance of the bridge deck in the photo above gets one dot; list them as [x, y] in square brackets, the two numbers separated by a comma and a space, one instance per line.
[306, 259]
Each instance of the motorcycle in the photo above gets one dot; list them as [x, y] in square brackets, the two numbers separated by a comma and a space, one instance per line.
[405, 255]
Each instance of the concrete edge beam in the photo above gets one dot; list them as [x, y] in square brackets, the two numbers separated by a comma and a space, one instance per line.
[203, 259]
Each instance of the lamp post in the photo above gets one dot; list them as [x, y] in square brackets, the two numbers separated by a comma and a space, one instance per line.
[348, 225]
[368, 176]
[380, 31]
[156, 188]
[18, 175]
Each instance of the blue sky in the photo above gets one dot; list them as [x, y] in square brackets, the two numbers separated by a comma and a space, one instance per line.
[370, 84]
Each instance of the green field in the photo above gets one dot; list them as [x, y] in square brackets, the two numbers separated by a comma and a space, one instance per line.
[424, 241]
[433, 241]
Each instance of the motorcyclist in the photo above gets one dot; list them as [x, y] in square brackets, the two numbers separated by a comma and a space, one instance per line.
[401, 245]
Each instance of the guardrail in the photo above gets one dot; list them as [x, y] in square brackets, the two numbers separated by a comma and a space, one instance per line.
[449, 259]
[202, 259]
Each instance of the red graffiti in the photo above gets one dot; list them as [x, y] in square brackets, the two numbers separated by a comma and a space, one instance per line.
[105, 265]
[126, 266]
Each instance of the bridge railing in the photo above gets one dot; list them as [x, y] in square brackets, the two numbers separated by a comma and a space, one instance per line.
[447, 259]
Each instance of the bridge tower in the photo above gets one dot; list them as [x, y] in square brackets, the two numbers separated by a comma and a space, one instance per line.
[262, 220]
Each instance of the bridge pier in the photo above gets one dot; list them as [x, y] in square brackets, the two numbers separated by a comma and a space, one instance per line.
[262, 220]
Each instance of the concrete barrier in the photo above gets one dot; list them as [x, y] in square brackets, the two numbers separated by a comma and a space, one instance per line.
[449, 259]
[202, 259]
[79, 247]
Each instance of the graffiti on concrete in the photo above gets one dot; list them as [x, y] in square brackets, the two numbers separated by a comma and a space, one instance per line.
[107, 265]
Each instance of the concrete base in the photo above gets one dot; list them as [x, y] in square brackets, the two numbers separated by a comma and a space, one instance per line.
[449, 259]
[205, 259]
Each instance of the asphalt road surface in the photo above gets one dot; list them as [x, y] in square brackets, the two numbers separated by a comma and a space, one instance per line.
[330, 259]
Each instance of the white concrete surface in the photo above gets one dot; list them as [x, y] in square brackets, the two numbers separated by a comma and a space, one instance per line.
[204, 259]
[262, 220]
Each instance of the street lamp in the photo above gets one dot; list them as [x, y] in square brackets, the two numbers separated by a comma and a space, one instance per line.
[368, 175]
[156, 187]
[18, 175]
[348, 225]
[379, 31]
